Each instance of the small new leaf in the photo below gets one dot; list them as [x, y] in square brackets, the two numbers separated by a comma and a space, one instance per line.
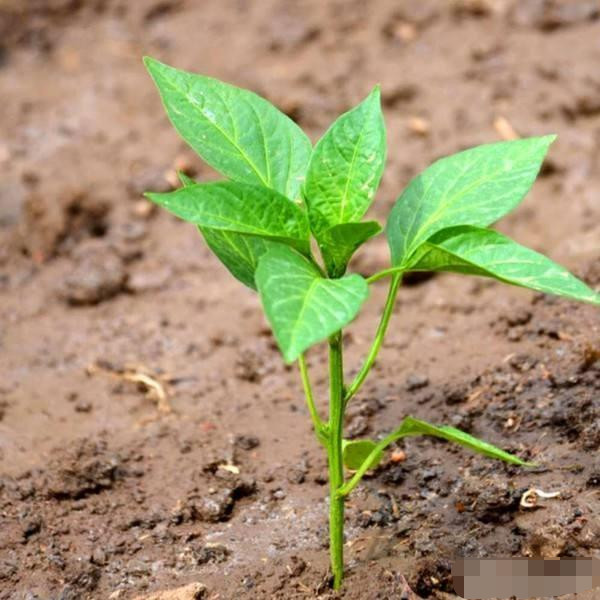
[303, 307]
[340, 242]
[239, 208]
[346, 167]
[356, 452]
[474, 187]
[477, 251]
[412, 426]
[238, 252]
[238, 133]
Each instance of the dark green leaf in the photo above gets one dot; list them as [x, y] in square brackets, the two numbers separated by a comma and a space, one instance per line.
[235, 131]
[339, 243]
[346, 167]
[356, 452]
[477, 251]
[239, 208]
[302, 306]
[237, 251]
[474, 187]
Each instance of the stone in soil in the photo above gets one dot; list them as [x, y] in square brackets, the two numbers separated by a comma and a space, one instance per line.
[86, 469]
[97, 275]
[193, 591]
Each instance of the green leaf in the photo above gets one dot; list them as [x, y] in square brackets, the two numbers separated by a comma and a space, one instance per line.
[474, 187]
[477, 251]
[302, 306]
[185, 179]
[356, 452]
[412, 426]
[238, 252]
[346, 167]
[239, 208]
[235, 131]
[339, 243]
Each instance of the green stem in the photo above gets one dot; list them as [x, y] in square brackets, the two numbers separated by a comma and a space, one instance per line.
[382, 274]
[320, 427]
[380, 334]
[334, 452]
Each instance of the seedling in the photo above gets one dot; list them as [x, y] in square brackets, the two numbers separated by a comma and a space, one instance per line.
[280, 194]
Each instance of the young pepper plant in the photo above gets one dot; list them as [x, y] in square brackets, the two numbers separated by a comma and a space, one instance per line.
[280, 193]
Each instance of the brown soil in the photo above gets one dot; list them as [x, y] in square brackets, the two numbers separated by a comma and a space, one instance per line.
[107, 490]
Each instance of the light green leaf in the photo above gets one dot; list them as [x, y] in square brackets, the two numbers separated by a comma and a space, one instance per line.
[474, 187]
[346, 167]
[239, 208]
[356, 452]
[339, 243]
[185, 178]
[235, 131]
[412, 426]
[302, 306]
[238, 252]
[477, 251]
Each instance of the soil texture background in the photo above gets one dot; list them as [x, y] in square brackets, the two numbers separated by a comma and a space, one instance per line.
[151, 438]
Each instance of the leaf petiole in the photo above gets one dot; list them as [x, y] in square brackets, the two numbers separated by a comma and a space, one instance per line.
[384, 273]
[321, 429]
[379, 336]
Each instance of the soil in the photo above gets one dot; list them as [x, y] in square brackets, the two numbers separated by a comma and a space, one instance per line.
[151, 438]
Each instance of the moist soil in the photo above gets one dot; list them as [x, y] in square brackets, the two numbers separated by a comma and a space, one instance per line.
[150, 435]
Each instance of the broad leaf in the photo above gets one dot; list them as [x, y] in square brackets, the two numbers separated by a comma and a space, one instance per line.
[237, 251]
[302, 306]
[339, 243]
[346, 167]
[239, 208]
[474, 187]
[477, 251]
[235, 131]
[356, 452]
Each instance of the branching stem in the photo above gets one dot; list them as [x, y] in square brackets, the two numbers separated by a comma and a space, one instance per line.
[384, 273]
[359, 474]
[379, 336]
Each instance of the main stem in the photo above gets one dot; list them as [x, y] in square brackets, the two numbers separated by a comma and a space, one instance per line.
[334, 453]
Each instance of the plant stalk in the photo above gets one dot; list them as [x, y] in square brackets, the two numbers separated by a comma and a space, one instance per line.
[334, 453]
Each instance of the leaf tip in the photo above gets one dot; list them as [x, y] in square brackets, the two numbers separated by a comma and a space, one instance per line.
[153, 197]
[375, 95]
[149, 62]
[548, 140]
